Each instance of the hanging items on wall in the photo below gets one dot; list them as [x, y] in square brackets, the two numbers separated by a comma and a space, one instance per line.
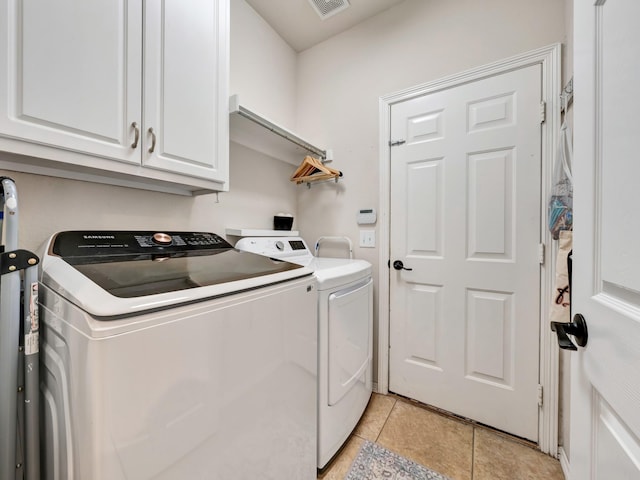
[566, 97]
[561, 306]
[560, 218]
[560, 211]
[313, 170]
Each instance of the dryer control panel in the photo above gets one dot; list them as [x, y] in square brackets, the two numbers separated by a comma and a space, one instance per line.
[275, 247]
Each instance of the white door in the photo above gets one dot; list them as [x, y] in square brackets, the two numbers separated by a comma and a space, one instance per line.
[72, 74]
[186, 107]
[605, 387]
[465, 222]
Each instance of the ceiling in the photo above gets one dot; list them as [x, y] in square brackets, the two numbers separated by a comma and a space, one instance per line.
[301, 27]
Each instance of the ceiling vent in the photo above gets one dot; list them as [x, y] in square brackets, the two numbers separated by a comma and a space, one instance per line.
[328, 8]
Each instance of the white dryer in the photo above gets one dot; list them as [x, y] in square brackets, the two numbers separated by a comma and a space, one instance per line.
[345, 336]
[175, 356]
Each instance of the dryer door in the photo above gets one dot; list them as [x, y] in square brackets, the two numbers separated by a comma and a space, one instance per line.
[350, 338]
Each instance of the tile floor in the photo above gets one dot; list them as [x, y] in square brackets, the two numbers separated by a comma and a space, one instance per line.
[453, 447]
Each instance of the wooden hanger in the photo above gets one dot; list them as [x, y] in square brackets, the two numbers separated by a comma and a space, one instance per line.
[311, 170]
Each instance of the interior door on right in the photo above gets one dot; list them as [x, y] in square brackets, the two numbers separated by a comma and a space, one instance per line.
[465, 223]
[605, 378]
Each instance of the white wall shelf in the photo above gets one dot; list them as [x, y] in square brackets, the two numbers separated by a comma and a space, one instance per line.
[254, 131]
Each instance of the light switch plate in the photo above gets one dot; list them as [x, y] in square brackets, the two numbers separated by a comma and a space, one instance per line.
[368, 238]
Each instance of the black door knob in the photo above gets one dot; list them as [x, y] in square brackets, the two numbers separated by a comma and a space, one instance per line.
[577, 328]
[398, 265]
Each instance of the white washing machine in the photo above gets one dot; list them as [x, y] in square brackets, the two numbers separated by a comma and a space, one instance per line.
[175, 356]
[345, 336]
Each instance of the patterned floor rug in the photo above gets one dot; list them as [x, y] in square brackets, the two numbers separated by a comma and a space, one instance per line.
[376, 462]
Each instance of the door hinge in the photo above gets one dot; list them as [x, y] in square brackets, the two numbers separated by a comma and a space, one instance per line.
[540, 397]
[543, 111]
[395, 143]
[541, 250]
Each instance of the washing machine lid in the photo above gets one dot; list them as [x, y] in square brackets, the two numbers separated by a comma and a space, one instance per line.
[121, 273]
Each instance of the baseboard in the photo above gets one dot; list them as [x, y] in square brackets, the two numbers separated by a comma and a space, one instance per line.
[564, 463]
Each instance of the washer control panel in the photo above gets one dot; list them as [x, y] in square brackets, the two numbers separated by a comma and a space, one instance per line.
[107, 243]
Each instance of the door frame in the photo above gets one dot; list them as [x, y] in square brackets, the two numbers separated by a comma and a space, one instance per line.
[549, 58]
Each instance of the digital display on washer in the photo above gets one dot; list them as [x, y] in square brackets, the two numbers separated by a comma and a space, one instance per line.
[297, 245]
[127, 267]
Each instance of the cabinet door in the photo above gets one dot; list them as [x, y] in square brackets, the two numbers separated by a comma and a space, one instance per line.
[185, 87]
[71, 74]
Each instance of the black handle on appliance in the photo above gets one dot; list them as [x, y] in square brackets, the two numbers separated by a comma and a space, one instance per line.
[577, 328]
[398, 265]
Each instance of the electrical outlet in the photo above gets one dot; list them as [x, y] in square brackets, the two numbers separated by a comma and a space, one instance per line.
[368, 238]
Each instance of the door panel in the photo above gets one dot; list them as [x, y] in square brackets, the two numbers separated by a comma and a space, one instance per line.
[617, 450]
[489, 341]
[465, 218]
[605, 419]
[491, 113]
[424, 213]
[424, 303]
[490, 225]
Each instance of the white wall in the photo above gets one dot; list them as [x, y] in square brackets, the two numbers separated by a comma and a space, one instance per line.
[263, 66]
[259, 184]
[260, 188]
[341, 80]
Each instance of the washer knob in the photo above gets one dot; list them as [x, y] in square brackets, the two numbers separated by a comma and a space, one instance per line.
[161, 239]
[280, 245]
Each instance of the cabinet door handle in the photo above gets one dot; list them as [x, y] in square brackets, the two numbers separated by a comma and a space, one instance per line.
[153, 140]
[136, 130]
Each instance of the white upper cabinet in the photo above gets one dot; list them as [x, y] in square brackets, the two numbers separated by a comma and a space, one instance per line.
[74, 75]
[107, 90]
[183, 74]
